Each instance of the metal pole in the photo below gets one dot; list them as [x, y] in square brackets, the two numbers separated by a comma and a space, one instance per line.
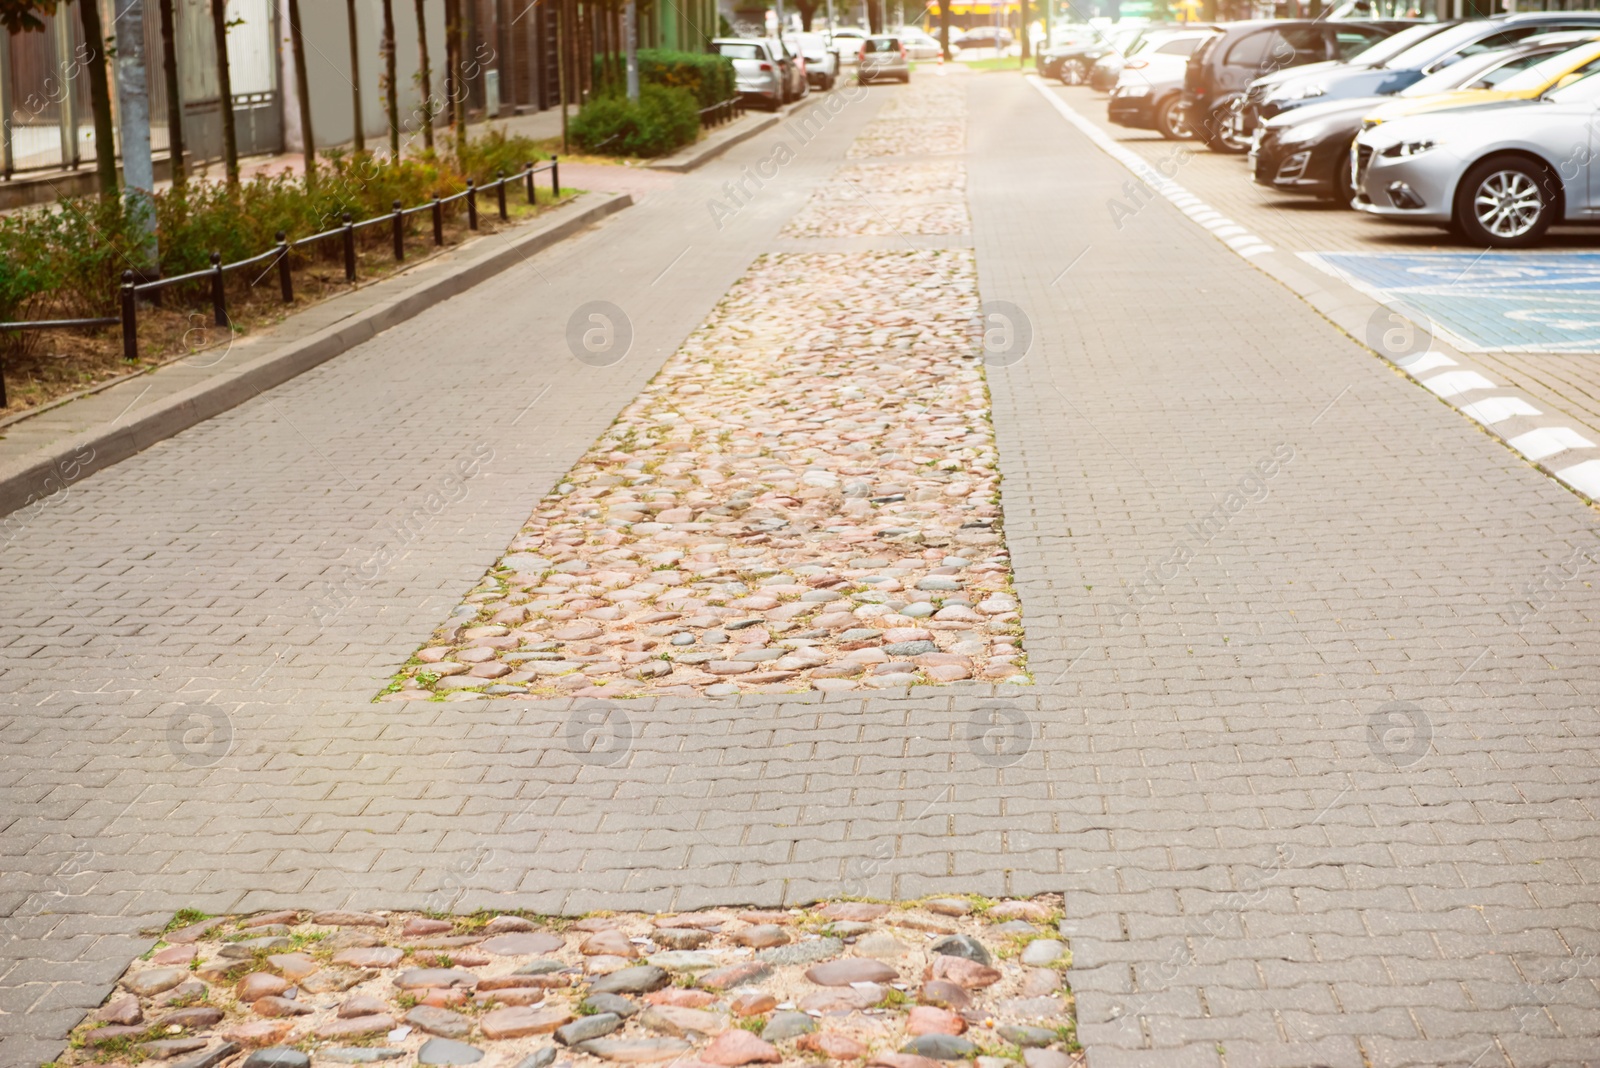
[349, 249]
[69, 113]
[130, 319]
[555, 176]
[5, 110]
[630, 32]
[472, 205]
[285, 275]
[531, 198]
[219, 292]
[133, 99]
[500, 195]
[438, 220]
[399, 233]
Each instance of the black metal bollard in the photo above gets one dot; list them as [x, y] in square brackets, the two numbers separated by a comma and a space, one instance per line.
[399, 233]
[531, 197]
[219, 293]
[349, 249]
[500, 196]
[438, 220]
[130, 318]
[472, 205]
[285, 276]
[555, 176]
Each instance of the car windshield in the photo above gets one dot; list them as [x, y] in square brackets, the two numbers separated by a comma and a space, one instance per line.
[1393, 45]
[1460, 74]
[1178, 46]
[1440, 44]
[739, 50]
[1536, 77]
[1584, 90]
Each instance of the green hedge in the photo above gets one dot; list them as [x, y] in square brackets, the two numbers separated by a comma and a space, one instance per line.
[663, 120]
[709, 77]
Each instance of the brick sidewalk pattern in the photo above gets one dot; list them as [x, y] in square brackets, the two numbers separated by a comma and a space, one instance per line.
[1311, 754]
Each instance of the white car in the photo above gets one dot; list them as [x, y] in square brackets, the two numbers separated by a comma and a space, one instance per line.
[919, 43]
[821, 56]
[847, 42]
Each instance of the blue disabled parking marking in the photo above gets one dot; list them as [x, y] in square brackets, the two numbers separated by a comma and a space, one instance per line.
[1486, 302]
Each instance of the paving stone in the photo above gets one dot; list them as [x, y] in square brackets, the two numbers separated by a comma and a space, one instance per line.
[636, 1051]
[437, 1021]
[961, 946]
[940, 1047]
[786, 1025]
[851, 970]
[587, 1027]
[448, 1051]
[276, 1057]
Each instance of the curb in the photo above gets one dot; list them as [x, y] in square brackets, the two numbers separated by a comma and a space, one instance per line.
[708, 150]
[50, 470]
[1508, 416]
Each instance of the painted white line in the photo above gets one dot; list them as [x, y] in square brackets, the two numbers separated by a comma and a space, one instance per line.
[1190, 204]
[1584, 477]
[1549, 440]
[1427, 362]
[1492, 410]
[1454, 383]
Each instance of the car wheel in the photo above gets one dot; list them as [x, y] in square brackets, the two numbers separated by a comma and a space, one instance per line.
[1074, 72]
[905, 79]
[1507, 202]
[1172, 119]
[1222, 133]
[1344, 189]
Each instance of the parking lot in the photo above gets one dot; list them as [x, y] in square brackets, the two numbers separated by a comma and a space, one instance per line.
[1531, 316]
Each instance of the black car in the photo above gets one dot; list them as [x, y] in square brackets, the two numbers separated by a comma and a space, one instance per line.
[1430, 55]
[1222, 67]
[1308, 150]
[995, 37]
[1070, 64]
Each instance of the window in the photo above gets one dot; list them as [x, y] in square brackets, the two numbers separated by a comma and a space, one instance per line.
[1183, 46]
[739, 50]
[1541, 74]
[1250, 51]
[882, 44]
[1349, 41]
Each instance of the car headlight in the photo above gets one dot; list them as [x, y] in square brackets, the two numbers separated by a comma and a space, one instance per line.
[1306, 92]
[1137, 89]
[1406, 149]
[1298, 133]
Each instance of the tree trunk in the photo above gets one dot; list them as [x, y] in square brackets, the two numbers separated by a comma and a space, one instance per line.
[133, 113]
[944, 28]
[806, 13]
[297, 41]
[424, 76]
[230, 135]
[1024, 9]
[105, 139]
[360, 139]
[169, 68]
[390, 90]
[455, 92]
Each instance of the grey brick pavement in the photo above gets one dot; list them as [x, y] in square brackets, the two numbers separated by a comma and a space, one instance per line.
[1253, 874]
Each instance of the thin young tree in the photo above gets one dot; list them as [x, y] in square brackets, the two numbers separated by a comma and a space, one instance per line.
[169, 69]
[455, 86]
[297, 42]
[944, 29]
[424, 75]
[390, 90]
[360, 138]
[230, 133]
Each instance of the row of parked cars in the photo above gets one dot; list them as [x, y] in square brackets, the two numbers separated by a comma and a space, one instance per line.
[773, 71]
[1486, 127]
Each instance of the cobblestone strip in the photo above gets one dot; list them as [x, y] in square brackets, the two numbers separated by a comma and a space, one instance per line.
[955, 979]
[806, 497]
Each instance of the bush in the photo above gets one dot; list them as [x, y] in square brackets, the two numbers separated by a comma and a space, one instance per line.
[663, 120]
[709, 77]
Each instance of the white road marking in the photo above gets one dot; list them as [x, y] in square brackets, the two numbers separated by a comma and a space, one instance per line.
[1492, 410]
[1549, 440]
[1453, 383]
[1427, 362]
[1584, 477]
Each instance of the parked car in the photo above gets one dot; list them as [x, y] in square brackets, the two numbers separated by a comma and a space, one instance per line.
[765, 74]
[1308, 150]
[1103, 75]
[1371, 56]
[821, 56]
[919, 43]
[996, 37]
[1431, 54]
[883, 57]
[1226, 63]
[1070, 64]
[1497, 174]
[1149, 91]
[847, 42]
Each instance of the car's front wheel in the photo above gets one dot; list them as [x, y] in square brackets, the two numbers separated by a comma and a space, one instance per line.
[1074, 72]
[1344, 187]
[1223, 131]
[1172, 119]
[1506, 203]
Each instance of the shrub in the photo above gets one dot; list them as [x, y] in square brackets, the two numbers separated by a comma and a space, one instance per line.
[709, 77]
[663, 120]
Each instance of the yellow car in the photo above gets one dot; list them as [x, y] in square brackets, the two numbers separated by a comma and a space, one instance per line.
[1525, 84]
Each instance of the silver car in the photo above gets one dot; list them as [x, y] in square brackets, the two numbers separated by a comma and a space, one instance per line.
[883, 57]
[765, 73]
[1497, 174]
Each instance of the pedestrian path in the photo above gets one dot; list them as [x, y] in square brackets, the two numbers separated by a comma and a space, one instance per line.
[1309, 750]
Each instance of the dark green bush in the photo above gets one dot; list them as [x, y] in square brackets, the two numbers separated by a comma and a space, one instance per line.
[709, 77]
[663, 120]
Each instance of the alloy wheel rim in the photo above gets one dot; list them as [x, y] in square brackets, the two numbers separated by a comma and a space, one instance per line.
[1508, 203]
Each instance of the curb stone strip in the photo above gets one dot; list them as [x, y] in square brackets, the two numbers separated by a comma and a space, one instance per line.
[44, 472]
[1353, 317]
